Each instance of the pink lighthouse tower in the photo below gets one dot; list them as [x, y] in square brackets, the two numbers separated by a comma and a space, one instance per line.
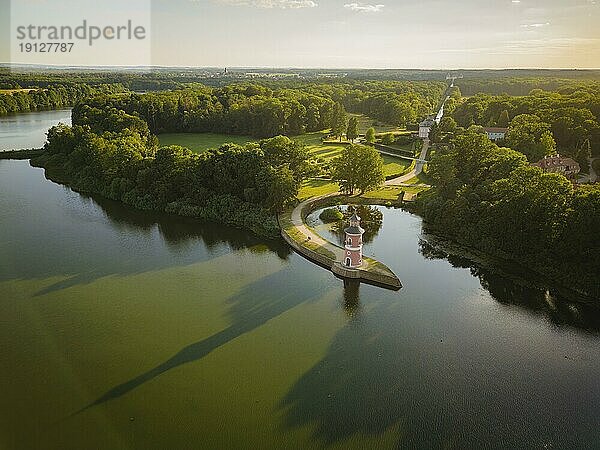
[353, 244]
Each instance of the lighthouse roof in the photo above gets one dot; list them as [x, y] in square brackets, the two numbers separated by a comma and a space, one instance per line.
[354, 217]
[354, 230]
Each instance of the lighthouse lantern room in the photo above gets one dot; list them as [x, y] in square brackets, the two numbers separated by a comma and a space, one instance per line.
[354, 243]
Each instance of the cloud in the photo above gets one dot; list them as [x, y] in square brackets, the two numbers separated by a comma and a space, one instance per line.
[535, 25]
[282, 4]
[362, 7]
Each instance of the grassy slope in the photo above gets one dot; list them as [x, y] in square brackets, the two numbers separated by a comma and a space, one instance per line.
[12, 91]
[200, 142]
[364, 123]
[315, 188]
[327, 152]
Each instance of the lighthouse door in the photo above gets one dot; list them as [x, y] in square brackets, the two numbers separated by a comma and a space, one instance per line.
[348, 262]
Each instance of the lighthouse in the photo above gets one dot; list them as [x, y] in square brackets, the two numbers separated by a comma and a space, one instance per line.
[354, 243]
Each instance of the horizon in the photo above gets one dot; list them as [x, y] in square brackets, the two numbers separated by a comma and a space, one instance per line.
[324, 34]
[11, 65]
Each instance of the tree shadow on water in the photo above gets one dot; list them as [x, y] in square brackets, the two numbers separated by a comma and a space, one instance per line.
[134, 228]
[256, 305]
[518, 287]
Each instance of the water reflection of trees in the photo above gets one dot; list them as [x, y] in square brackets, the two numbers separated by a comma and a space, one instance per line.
[177, 231]
[371, 222]
[352, 298]
[521, 289]
[187, 240]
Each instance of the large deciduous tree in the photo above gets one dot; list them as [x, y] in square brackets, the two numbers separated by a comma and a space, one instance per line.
[352, 131]
[338, 124]
[358, 168]
[529, 135]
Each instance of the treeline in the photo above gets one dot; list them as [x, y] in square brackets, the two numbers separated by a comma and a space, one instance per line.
[134, 81]
[393, 102]
[118, 158]
[238, 109]
[54, 97]
[572, 116]
[491, 199]
[259, 111]
[523, 86]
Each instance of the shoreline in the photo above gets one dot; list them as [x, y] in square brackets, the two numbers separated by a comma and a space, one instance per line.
[504, 266]
[496, 263]
[23, 154]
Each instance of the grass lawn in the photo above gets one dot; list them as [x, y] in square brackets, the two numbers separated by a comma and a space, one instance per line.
[395, 166]
[329, 151]
[12, 91]
[422, 178]
[364, 123]
[314, 188]
[200, 142]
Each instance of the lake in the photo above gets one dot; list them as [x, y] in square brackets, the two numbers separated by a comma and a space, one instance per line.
[21, 131]
[127, 330]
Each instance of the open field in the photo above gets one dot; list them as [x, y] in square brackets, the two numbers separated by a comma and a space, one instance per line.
[364, 123]
[329, 151]
[201, 142]
[315, 188]
[12, 91]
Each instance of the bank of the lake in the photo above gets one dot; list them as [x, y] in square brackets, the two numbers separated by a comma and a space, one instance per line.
[22, 154]
[128, 329]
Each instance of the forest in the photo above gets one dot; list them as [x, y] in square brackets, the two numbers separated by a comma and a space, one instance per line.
[240, 186]
[570, 117]
[489, 198]
[111, 148]
[50, 98]
[259, 111]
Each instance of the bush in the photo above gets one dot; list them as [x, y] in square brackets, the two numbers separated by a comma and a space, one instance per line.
[331, 215]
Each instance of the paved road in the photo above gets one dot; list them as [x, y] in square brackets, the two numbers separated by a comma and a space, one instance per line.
[396, 155]
[314, 237]
[413, 173]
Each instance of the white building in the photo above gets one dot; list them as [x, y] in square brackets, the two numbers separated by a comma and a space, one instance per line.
[496, 134]
[425, 128]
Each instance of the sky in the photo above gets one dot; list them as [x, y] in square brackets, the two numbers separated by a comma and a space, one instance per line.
[428, 34]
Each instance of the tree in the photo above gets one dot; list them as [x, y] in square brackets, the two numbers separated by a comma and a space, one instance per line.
[338, 125]
[504, 119]
[352, 131]
[282, 151]
[435, 133]
[358, 167]
[448, 125]
[547, 143]
[370, 136]
[388, 139]
[583, 155]
[313, 117]
[525, 135]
